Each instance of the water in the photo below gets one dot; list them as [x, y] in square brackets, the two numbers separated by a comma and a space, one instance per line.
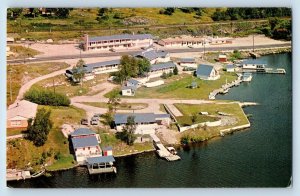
[257, 157]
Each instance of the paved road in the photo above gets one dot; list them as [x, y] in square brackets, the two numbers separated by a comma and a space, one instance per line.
[117, 54]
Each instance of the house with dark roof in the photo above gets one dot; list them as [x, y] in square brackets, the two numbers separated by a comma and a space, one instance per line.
[133, 82]
[187, 62]
[154, 56]
[123, 41]
[207, 72]
[85, 144]
[146, 123]
[157, 70]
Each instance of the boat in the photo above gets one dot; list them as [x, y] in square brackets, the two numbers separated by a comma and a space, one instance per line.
[247, 77]
[172, 150]
[37, 174]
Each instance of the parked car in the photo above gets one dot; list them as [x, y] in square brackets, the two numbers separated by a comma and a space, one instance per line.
[84, 121]
[94, 121]
[97, 115]
[112, 50]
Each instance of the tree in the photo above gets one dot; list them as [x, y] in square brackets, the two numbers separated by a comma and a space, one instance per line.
[128, 131]
[78, 71]
[13, 13]
[34, 12]
[143, 66]
[194, 118]
[175, 71]
[39, 130]
[63, 12]
[114, 100]
[46, 97]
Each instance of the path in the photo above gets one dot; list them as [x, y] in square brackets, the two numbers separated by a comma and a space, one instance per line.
[14, 137]
[174, 110]
[27, 85]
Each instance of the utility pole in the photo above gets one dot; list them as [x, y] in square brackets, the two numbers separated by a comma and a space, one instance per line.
[203, 48]
[253, 42]
[10, 89]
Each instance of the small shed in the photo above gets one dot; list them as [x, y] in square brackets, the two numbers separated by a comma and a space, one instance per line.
[107, 151]
[194, 85]
[230, 68]
[128, 90]
[222, 58]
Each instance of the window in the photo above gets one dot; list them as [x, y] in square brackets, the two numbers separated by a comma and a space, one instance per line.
[15, 123]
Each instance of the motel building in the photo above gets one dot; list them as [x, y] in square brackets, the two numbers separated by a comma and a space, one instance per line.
[85, 145]
[123, 41]
[157, 70]
[207, 72]
[146, 123]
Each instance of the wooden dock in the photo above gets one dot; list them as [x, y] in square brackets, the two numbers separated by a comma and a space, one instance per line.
[225, 88]
[162, 151]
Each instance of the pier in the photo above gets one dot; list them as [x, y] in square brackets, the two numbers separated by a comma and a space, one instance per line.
[225, 88]
[162, 151]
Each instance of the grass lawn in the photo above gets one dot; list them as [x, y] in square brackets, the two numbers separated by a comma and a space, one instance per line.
[204, 133]
[121, 148]
[22, 73]
[187, 120]
[122, 106]
[177, 87]
[15, 131]
[22, 52]
[21, 152]
[63, 86]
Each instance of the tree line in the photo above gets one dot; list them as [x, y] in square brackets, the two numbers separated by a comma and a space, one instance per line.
[14, 13]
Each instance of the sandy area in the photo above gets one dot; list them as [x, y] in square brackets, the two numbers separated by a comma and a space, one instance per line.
[71, 49]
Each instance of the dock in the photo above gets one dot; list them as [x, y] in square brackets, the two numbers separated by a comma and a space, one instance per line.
[162, 151]
[225, 88]
[13, 174]
[102, 164]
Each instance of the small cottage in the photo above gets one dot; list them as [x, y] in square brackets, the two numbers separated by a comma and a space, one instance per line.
[207, 72]
[230, 68]
[128, 90]
[222, 58]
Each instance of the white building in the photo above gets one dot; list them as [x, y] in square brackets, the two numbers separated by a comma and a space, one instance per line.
[207, 72]
[230, 68]
[154, 56]
[157, 70]
[128, 90]
[123, 41]
[85, 144]
[187, 62]
[146, 123]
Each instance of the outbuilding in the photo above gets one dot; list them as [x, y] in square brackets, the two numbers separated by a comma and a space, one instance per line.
[207, 72]
[222, 58]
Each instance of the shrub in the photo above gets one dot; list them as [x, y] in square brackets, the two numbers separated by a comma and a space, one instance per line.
[46, 97]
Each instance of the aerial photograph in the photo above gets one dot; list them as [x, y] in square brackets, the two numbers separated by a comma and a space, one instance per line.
[170, 97]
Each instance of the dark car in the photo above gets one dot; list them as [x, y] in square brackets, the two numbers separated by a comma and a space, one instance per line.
[84, 121]
[98, 115]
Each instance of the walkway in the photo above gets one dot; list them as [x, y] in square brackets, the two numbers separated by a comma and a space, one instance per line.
[27, 86]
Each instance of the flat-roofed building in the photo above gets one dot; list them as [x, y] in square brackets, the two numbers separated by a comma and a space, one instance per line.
[157, 70]
[146, 123]
[187, 62]
[182, 41]
[123, 41]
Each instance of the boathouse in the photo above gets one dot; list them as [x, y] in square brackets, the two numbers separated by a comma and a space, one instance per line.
[123, 41]
[98, 165]
[19, 113]
[207, 72]
[146, 123]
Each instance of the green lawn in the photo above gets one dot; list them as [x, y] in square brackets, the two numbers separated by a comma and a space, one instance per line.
[122, 106]
[121, 148]
[21, 152]
[10, 132]
[204, 133]
[177, 87]
[187, 120]
[22, 73]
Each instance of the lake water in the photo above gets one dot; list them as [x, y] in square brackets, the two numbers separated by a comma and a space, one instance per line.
[260, 156]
